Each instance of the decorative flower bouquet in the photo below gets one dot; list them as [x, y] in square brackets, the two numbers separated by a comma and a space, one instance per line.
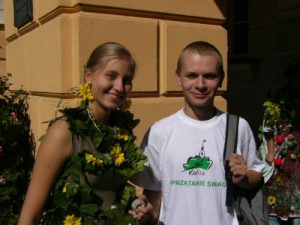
[116, 156]
[16, 151]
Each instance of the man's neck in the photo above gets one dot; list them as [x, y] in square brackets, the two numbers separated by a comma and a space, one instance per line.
[203, 113]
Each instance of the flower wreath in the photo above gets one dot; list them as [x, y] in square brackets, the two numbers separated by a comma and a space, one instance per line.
[116, 153]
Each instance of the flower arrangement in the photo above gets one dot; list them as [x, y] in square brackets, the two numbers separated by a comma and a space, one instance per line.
[272, 113]
[73, 200]
[16, 151]
[284, 187]
[285, 184]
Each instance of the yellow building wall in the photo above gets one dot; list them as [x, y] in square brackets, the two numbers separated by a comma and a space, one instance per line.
[46, 56]
[3, 44]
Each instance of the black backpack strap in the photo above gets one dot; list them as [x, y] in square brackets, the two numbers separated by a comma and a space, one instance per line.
[231, 137]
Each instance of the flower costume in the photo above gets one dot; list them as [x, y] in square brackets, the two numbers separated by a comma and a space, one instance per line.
[93, 188]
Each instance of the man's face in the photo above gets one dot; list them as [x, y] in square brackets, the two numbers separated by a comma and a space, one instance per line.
[199, 80]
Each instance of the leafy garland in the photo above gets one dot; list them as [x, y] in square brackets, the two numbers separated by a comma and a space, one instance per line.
[116, 153]
[16, 151]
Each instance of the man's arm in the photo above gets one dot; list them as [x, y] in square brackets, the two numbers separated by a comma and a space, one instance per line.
[154, 198]
[241, 175]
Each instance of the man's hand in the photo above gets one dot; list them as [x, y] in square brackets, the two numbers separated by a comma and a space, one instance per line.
[142, 210]
[238, 168]
[148, 213]
[242, 176]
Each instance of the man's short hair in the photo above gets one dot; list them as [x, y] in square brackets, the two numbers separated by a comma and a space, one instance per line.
[202, 48]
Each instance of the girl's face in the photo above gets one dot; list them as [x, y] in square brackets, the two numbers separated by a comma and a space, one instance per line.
[110, 84]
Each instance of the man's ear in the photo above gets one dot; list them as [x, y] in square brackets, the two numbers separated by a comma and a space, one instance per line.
[178, 79]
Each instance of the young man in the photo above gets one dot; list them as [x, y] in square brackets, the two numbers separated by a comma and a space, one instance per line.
[185, 150]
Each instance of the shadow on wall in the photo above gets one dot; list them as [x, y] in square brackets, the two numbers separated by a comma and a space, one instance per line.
[262, 42]
[250, 83]
[223, 6]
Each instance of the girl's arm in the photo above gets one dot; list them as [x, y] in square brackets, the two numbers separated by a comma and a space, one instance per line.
[271, 149]
[53, 153]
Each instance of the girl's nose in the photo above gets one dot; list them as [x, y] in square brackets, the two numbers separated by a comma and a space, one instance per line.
[119, 85]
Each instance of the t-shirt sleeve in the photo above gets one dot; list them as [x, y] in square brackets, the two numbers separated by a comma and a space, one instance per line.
[150, 178]
[248, 147]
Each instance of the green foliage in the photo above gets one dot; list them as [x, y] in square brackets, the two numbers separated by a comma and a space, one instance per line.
[272, 113]
[16, 151]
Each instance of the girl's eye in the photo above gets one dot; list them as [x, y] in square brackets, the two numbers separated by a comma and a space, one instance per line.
[111, 76]
[127, 80]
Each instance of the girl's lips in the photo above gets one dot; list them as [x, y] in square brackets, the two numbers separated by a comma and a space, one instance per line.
[116, 97]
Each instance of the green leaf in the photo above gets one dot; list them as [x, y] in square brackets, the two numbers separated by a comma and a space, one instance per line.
[89, 209]
[88, 220]
[97, 140]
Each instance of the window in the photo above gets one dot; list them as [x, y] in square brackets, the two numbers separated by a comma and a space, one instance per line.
[1, 12]
[238, 27]
[22, 12]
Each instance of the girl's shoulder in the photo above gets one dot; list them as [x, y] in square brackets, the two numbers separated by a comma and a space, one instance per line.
[59, 126]
[57, 142]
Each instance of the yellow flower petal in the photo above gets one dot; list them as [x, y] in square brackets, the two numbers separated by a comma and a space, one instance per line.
[93, 160]
[124, 137]
[85, 92]
[120, 159]
[72, 220]
[271, 200]
[65, 188]
[116, 151]
[99, 162]
[118, 155]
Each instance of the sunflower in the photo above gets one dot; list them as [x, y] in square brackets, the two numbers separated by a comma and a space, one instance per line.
[271, 200]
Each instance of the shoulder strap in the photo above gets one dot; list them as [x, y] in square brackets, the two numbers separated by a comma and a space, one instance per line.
[231, 137]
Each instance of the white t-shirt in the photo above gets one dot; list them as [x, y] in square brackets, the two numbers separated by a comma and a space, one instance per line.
[263, 149]
[186, 163]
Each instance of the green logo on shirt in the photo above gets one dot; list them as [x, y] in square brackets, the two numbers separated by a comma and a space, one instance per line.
[199, 161]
